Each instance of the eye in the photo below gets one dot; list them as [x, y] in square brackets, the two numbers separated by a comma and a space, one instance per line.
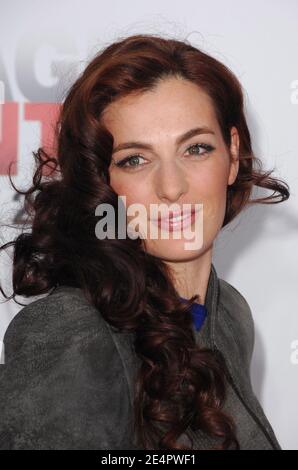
[131, 162]
[132, 159]
[197, 147]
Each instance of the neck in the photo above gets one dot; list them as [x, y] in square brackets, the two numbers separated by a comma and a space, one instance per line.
[191, 277]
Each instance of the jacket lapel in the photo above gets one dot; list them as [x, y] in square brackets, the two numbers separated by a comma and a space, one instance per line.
[226, 341]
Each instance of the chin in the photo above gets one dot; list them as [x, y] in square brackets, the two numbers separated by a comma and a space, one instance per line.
[173, 250]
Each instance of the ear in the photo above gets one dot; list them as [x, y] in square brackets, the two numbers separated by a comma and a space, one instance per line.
[234, 154]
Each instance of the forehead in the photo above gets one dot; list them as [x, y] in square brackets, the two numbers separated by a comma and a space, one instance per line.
[174, 105]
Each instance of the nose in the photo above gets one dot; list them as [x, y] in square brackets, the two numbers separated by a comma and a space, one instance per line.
[170, 182]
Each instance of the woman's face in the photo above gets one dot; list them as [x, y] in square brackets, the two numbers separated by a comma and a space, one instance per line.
[165, 171]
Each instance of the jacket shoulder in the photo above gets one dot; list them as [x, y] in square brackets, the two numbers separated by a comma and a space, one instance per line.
[239, 318]
[62, 384]
[63, 315]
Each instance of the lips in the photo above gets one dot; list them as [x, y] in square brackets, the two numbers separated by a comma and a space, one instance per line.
[175, 220]
[175, 216]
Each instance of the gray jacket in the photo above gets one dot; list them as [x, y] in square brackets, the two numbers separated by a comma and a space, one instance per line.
[68, 376]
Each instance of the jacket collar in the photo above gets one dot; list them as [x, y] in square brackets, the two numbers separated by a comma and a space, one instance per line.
[212, 301]
[223, 338]
[222, 332]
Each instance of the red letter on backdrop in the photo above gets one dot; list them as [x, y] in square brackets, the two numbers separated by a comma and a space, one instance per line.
[9, 134]
[46, 114]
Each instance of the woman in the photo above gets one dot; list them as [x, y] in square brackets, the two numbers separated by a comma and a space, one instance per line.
[136, 343]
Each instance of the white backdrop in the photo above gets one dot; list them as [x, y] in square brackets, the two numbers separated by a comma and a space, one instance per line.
[43, 45]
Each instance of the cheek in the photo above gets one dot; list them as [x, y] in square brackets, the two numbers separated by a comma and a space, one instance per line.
[135, 191]
[210, 190]
[120, 185]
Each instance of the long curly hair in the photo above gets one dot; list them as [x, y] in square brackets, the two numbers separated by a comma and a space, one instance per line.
[179, 385]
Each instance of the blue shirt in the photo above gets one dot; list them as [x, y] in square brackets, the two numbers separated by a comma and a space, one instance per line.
[199, 312]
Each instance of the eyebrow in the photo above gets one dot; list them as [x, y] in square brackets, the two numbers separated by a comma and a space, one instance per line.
[182, 138]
